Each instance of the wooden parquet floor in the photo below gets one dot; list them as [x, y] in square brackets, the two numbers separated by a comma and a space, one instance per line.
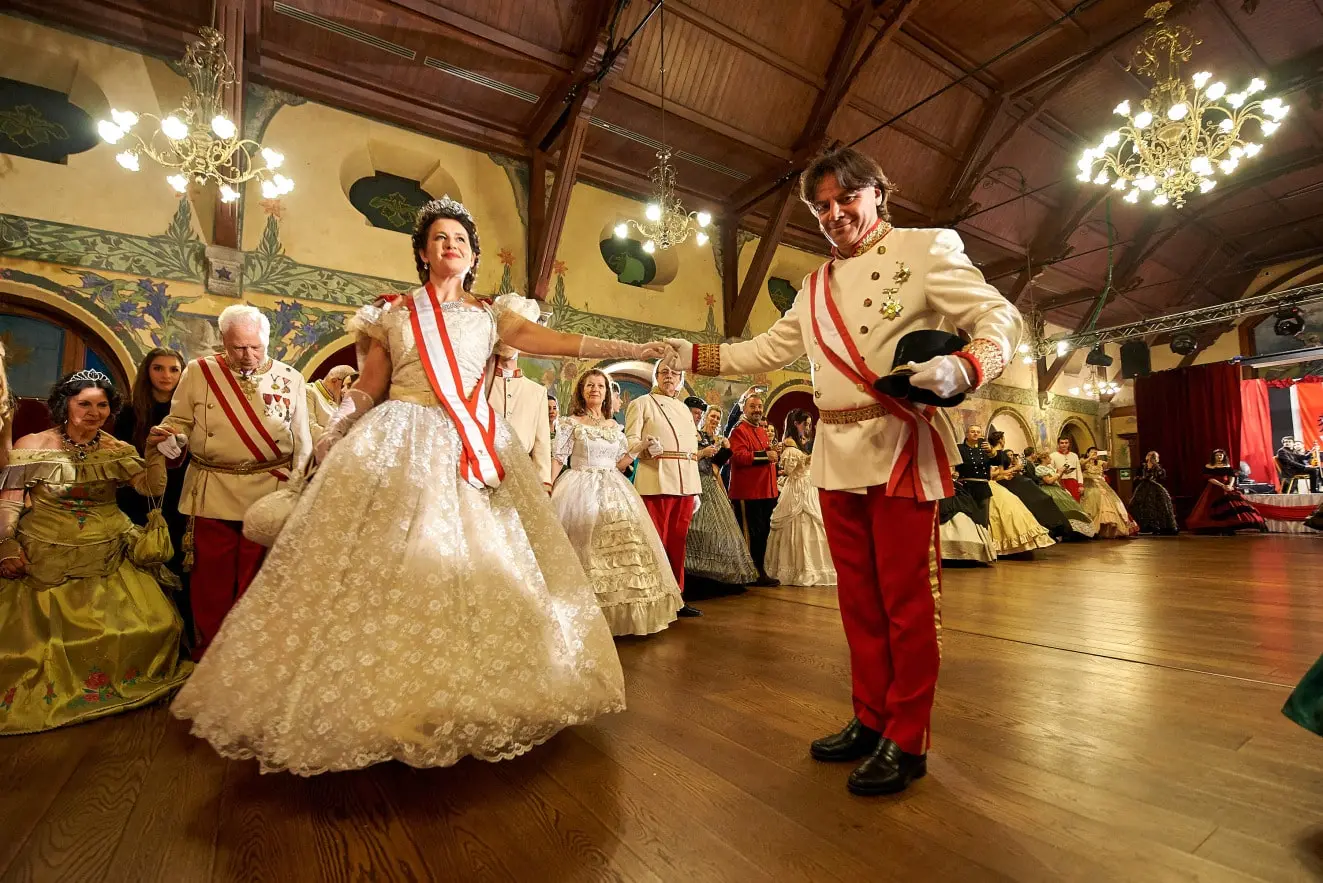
[1107, 712]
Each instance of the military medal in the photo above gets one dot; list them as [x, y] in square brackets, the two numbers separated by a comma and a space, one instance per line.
[892, 308]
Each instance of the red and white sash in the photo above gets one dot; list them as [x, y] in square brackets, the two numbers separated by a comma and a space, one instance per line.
[469, 411]
[923, 451]
[239, 411]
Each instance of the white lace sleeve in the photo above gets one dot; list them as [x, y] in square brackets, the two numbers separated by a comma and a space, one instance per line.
[564, 441]
[370, 320]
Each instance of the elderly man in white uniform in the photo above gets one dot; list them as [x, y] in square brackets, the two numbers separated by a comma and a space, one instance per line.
[521, 401]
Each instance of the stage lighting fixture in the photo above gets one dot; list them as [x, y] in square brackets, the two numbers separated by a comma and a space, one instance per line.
[1183, 344]
[1098, 357]
[1290, 322]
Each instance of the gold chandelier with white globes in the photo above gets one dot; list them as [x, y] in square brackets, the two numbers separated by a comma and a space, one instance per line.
[198, 143]
[1187, 132]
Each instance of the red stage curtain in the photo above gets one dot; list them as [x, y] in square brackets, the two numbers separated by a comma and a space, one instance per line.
[1256, 447]
[1288, 382]
[1185, 414]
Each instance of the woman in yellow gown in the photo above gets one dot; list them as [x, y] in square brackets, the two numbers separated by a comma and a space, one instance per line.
[85, 630]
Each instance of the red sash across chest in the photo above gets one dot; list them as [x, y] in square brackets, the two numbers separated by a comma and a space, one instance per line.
[469, 410]
[922, 468]
[240, 412]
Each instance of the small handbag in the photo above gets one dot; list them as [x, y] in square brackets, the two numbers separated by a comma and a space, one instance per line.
[266, 518]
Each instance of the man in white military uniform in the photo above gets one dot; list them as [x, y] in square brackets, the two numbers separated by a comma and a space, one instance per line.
[324, 398]
[521, 401]
[667, 476]
[244, 419]
[881, 464]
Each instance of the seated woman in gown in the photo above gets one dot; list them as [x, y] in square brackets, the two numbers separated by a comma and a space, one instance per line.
[963, 533]
[1014, 528]
[797, 552]
[1102, 504]
[85, 629]
[1049, 481]
[422, 602]
[1221, 508]
[1150, 504]
[715, 549]
[605, 518]
[1011, 474]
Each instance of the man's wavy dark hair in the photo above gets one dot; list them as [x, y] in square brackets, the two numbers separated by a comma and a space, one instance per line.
[853, 169]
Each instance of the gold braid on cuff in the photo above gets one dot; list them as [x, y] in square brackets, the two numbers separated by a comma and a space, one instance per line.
[707, 359]
[988, 357]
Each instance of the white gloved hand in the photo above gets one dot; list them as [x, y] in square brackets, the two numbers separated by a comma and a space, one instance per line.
[173, 447]
[944, 376]
[683, 354]
[654, 447]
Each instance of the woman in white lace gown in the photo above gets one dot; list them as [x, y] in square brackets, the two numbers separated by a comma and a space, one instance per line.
[605, 517]
[407, 611]
[797, 552]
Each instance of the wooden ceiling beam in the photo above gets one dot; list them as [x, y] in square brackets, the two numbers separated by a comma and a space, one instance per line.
[710, 25]
[644, 96]
[730, 266]
[737, 315]
[562, 122]
[545, 237]
[1053, 237]
[159, 36]
[474, 33]
[992, 111]
[552, 107]
[840, 76]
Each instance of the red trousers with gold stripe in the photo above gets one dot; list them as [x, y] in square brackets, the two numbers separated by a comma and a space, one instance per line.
[888, 570]
[224, 564]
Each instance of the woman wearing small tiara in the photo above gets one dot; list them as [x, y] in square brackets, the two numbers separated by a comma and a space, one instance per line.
[422, 602]
[85, 629]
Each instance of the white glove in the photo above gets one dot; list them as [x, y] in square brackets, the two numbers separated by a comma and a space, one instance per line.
[944, 376]
[654, 447]
[682, 355]
[173, 447]
[698, 502]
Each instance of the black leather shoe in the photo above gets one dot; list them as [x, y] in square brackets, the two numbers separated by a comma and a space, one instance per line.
[888, 770]
[686, 610]
[767, 582]
[851, 743]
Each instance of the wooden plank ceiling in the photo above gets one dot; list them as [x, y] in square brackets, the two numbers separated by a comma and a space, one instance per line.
[976, 108]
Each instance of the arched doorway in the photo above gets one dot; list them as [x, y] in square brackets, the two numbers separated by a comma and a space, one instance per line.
[787, 401]
[345, 355]
[1018, 434]
[1081, 437]
[44, 344]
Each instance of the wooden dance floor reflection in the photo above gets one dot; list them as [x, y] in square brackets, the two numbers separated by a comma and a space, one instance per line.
[1108, 712]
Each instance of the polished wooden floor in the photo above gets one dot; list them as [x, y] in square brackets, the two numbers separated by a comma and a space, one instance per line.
[1107, 712]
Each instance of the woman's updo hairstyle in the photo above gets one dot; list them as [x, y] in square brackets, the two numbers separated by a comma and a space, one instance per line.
[437, 210]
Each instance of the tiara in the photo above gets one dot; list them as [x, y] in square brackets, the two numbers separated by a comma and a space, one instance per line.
[89, 374]
[445, 203]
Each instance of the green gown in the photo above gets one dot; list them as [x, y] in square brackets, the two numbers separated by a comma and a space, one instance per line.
[87, 632]
[1305, 704]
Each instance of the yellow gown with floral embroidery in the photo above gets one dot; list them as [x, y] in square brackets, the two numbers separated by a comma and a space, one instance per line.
[87, 632]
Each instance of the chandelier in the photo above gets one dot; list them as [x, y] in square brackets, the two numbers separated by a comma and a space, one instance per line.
[1096, 387]
[198, 142]
[1185, 132]
[666, 222]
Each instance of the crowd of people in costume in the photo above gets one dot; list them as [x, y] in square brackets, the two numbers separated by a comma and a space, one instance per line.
[422, 558]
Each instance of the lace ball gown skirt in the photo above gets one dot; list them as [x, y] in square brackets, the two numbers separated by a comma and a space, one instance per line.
[619, 548]
[1014, 528]
[797, 552]
[403, 614]
[1106, 510]
[1151, 507]
[715, 546]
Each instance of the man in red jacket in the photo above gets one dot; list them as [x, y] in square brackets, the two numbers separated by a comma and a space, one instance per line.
[753, 481]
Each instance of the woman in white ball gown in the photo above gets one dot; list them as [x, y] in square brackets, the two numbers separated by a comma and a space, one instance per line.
[422, 602]
[605, 518]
